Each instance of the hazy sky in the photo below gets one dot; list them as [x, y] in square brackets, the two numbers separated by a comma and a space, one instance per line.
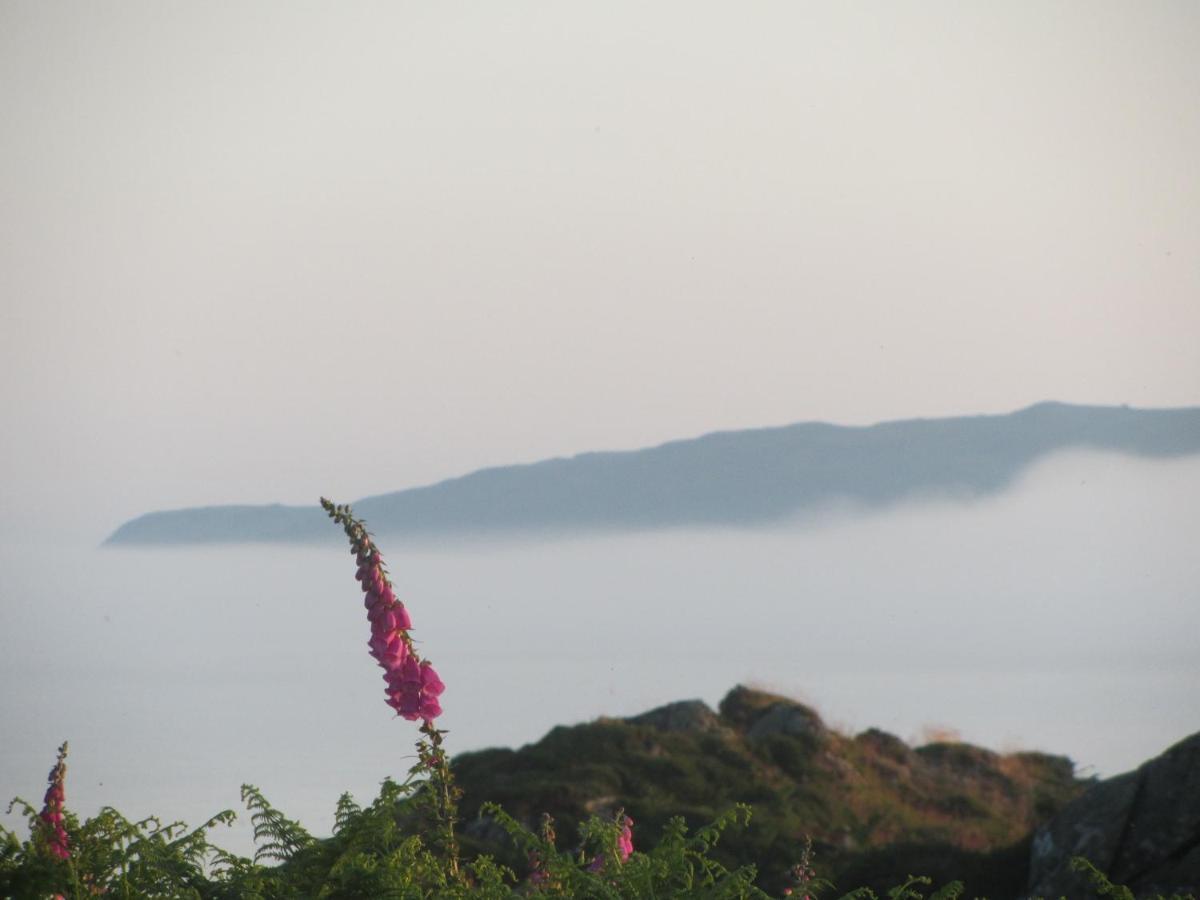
[254, 252]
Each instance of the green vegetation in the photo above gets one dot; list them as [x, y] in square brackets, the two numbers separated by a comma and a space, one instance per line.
[378, 851]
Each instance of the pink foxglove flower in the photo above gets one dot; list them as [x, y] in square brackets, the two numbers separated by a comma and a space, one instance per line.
[413, 686]
[624, 845]
[538, 876]
[625, 841]
[52, 811]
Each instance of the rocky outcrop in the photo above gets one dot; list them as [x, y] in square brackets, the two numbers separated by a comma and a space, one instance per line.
[886, 746]
[760, 715]
[686, 715]
[1142, 829]
[874, 806]
[791, 719]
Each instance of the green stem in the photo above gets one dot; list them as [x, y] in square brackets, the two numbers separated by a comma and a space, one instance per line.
[445, 795]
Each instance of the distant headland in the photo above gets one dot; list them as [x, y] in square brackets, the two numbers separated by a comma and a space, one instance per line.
[745, 478]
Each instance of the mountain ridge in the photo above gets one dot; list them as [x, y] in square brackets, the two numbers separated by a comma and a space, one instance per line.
[739, 478]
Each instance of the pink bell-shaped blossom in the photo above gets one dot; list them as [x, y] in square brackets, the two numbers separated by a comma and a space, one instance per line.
[386, 597]
[430, 682]
[429, 708]
[624, 846]
[394, 656]
[625, 841]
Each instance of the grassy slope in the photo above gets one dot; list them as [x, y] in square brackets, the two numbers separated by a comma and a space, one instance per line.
[875, 808]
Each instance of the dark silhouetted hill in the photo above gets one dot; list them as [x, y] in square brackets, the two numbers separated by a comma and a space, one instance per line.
[736, 478]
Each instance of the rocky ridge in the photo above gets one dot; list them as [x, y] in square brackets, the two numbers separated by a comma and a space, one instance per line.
[875, 807]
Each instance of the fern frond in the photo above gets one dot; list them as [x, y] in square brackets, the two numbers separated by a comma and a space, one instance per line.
[278, 837]
[346, 811]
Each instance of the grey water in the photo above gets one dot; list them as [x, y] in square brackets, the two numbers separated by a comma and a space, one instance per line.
[1062, 615]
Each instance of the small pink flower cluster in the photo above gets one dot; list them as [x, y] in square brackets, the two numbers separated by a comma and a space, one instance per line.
[624, 845]
[52, 812]
[802, 873]
[413, 687]
[538, 876]
[625, 841]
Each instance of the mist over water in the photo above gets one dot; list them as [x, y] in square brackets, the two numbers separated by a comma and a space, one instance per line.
[1062, 615]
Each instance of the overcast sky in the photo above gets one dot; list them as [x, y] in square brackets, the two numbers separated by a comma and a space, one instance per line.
[257, 252]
